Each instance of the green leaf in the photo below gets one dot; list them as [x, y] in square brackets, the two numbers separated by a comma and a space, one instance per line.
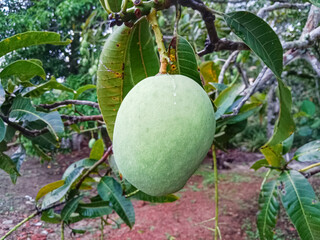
[259, 36]
[210, 72]
[17, 158]
[110, 190]
[309, 152]
[49, 188]
[268, 210]
[183, 59]
[60, 192]
[41, 153]
[226, 98]
[301, 204]
[284, 127]
[2, 95]
[69, 208]
[315, 2]
[22, 110]
[97, 150]
[126, 53]
[78, 231]
[27, 39]
[308, 107]
[24, 70]
[103, 5]
[287, 144]
[114, 5]
[37, 91]
[3, 129]
[94, 209]
[9, 167]
[259, 164]
[84, 163]
[83, 89]
[50, 216]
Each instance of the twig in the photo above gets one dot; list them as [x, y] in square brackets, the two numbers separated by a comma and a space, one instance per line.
[67, 102]
[78, 119]
[311, 173]
[309, 167]
[227, 63]
[262, 12]
[86, 174]
[250, 92]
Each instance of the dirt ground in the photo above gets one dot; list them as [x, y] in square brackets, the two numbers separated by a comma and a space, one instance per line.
[190, 218]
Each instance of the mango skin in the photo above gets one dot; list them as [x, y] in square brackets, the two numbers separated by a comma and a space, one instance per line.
[163, 130]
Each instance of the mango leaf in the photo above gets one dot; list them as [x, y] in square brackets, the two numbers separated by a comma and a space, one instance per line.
[183, 59]
[226, 98]
[287, 144]
[315, 2]
[301, 204]
[27, 39]
[309, 152]
[94, 209]
[259, 164]
[229, 131]
[49, 188]
[284, 127]
[24, 70]
[2, 95]
[41, 153]
[259, 36]
[50, 216]
[308, 107]
[60, 192]
[97, 150]
[22, 110]
[84, 163]
[78, 231]
[3, 129]
[126, 53]
[210, 72]
[104, 5]
[113, 5]
[69, 208]
[83, 89]
[37, 91]
[139, 195]
[9, 167]
[268, 210]
[17, 158]
[110, 190]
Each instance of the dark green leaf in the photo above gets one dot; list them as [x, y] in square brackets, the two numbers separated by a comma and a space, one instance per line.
[9, 166]
[22, 110]
[84, 163]
[308, 107]
[70, 207]
[259, 36]
[37, 91]
[226, 98]
[287, 144]
[139, 195]
[305, 131]
[2, 95]
[94, 209]
[78, 231]
[97, 150]
[183, 59]
[17, 158]
[309, 152]
[9, 133]
[3, 129]
[50, 216]
[82, 89]
[114, 5]
[110, 190]
[259, 164]
[41, 153]
[301, 204]
[28, 39]
[60, 192]
[23, 69]
[268, 210]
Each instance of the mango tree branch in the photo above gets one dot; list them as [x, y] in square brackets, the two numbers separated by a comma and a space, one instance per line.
[93, 167]
[280, 5]
[67, 102]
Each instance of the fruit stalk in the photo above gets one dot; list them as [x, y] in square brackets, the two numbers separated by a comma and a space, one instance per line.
[164, 59]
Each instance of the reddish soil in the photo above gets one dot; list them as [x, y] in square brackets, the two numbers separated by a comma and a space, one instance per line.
[191, 217]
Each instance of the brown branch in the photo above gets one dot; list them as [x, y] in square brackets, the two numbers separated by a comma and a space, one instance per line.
[78, 119]
[311, 173]
[86, 174]
[67, 102]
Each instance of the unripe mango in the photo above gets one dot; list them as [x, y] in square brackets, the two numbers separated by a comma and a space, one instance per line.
[163, 130]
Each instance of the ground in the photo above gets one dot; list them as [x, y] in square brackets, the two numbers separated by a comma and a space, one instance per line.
[191, 217]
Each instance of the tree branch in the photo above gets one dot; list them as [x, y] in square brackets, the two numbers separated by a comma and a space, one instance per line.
[227, 63]
[278, 5]
[78, 119]
[67, 102]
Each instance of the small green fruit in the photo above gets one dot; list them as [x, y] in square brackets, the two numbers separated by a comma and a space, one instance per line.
[163, 130]
[91, 142]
